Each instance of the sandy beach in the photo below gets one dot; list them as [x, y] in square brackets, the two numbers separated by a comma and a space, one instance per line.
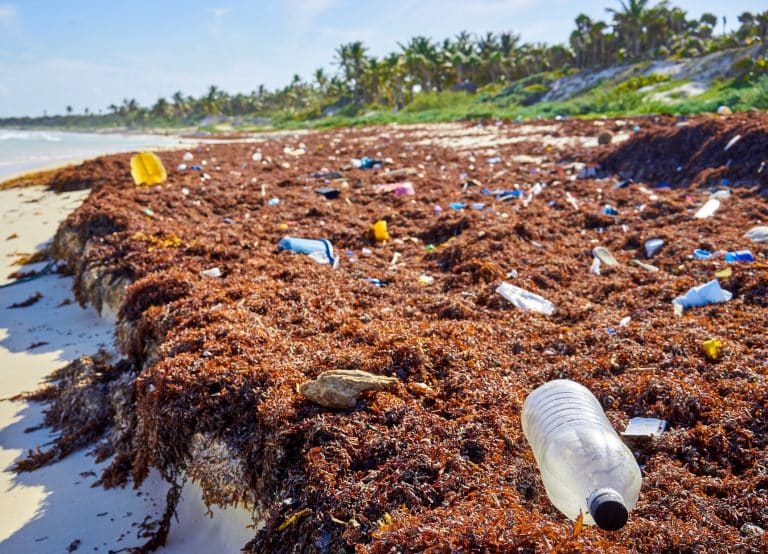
[56, 508]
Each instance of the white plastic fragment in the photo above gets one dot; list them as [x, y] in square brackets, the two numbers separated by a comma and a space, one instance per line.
[708, 209]
[644, 427]
[652, 246]
[605, 256]
[595, 268]
[731, 142]
[702, 295]
[645, 266]
[758, 234]
[213, 272]
[525, 300]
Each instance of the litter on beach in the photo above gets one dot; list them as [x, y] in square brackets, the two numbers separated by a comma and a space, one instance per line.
[525, 300]
[702, 295]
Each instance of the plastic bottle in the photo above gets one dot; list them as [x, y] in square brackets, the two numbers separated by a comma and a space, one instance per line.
[583, 462]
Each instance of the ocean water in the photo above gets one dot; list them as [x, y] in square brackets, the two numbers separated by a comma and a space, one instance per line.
[22, 151]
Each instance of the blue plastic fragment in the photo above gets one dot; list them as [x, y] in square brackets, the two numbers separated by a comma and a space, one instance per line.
[457, 205]
[701, 254]
[319, 250]
[739, 256]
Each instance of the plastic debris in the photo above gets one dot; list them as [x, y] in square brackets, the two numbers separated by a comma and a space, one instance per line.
[708, 209]
[711, 348]
[379, 229]
[721, 194]
[320, 250]
[377, 282]
[724, 110]
[724, 273]
[457, 205]
[328, 192]
[571, 200]
[341, 388]
[702, 295]
[701, 254]
[744, 256]
[758, 234]
[188, 157]
[644, 427]
[147, 169]
[645, 266]
[257, 157]
[610, 210]
[399, 189]
[273, 202]
[652, 247]
[181, 167]
[625, 321]
[595, 267]
[426, 279]
[478, 206]
[605, 256]
[525, 300]
[366, 163]
[587, 173]
[326, 175]
[213, 272]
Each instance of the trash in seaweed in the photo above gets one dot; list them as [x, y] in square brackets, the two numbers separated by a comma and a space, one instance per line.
[437, 462]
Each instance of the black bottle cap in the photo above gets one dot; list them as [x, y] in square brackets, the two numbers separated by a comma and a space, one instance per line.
[608, 510]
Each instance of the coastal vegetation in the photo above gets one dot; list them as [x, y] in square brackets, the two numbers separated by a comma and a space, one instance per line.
[486, 75]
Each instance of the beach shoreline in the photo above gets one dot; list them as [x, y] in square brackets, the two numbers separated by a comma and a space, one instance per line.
[56, 507]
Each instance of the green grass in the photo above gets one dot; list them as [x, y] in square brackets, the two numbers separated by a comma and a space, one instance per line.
[616, 100]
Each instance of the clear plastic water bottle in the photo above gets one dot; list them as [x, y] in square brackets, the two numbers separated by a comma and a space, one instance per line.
[584, 464]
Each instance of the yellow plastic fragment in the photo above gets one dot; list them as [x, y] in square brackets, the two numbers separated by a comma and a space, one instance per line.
[147, 169]
[290, 520]
[380, 232]
[711, 348]
[724, 273]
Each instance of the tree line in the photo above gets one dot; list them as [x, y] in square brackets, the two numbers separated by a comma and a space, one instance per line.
[635, 31]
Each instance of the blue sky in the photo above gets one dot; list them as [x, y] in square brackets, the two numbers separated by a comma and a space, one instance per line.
[88, 53]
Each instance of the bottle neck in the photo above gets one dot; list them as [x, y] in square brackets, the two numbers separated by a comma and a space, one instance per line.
[607, 509]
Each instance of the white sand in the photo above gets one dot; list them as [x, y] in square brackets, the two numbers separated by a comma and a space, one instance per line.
[46, 510]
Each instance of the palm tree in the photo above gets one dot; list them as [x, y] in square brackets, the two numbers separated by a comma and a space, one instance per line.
[628, 24]
[321, 79]
[351, 58]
